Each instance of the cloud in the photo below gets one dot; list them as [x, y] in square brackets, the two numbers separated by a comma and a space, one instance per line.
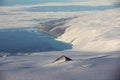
[28, 19]
[78, 3]
[25, 19]
[14, 16]
[84, 3]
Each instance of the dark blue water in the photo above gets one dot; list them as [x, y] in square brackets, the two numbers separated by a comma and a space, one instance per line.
[28, 40]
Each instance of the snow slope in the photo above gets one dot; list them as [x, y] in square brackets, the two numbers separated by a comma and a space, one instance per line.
[96, 32]
[40, 66]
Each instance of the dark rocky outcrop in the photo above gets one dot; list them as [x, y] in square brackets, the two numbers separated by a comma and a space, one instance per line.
[55, 27]
[62, 59]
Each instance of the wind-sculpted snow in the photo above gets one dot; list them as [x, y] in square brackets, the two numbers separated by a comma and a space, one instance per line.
[40, 66]
[98, 31]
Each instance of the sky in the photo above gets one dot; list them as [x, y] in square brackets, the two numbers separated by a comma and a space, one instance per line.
[26, 2]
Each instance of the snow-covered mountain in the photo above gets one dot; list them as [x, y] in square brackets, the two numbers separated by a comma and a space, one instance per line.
[98, 31]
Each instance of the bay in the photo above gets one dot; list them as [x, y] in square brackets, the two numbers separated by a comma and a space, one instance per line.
[28, 40]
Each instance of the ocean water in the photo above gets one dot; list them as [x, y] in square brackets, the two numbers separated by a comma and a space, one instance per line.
[14, 41]
[28, 40]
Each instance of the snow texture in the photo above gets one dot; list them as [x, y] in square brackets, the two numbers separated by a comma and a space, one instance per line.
[40, 66]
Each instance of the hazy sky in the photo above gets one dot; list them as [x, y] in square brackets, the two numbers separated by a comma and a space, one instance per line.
[21, 2]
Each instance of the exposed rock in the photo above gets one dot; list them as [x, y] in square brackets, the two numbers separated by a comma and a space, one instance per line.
[55, 27]
[62, 59]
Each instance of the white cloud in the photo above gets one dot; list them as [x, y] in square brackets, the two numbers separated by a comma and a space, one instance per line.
[15, 17]
[24, 19]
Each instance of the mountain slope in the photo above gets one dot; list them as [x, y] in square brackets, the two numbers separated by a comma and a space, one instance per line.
[98, 31]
